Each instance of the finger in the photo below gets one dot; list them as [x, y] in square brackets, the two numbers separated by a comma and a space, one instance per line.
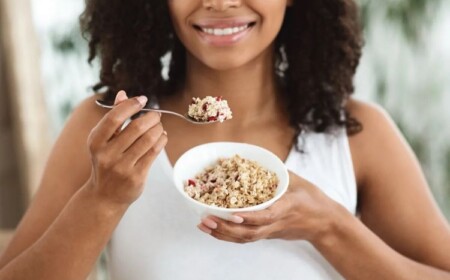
[114, 119]
[134, 131]
[143, 144]
[204, 229]
[267, 216]
[258, 218]
[227, 238]
[218, 235]
[144, 162]
[120, 97]
[247, 233]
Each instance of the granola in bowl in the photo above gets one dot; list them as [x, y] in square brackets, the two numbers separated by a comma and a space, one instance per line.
[209, 109]
[233, 183]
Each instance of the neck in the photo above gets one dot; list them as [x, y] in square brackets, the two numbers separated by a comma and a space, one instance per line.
[251, 90]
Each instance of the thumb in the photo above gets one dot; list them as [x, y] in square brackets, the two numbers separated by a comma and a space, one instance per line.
[294, 179]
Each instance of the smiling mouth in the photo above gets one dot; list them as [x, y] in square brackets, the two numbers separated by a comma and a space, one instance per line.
[225, 31]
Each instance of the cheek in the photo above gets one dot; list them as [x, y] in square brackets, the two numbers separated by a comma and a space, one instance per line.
[179, 11]
[273, 16]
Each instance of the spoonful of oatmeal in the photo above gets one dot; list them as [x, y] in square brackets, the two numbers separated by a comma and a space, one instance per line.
[210, 109]
[201, 111]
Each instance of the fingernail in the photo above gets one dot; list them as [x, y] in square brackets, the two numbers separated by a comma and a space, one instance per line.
[121, 96]
[165, 132]
[142, 100]
[237, 219]
[209, 223]
[204, 229]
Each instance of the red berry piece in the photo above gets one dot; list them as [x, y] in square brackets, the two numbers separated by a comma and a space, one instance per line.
[191, 183]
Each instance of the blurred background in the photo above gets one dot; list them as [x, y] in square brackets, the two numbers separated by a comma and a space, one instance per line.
[405, 68]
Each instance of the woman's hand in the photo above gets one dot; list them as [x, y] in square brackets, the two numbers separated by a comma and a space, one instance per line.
[121, 158]
[304, 212]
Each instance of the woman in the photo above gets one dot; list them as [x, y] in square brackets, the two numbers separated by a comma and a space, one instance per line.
[286, 69]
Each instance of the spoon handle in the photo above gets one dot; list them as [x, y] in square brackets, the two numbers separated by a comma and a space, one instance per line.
[103, 105]
[164, 112]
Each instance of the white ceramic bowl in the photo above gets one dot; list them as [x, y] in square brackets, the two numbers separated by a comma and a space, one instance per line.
[198, 158]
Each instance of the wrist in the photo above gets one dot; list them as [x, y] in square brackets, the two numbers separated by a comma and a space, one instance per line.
[106, 206]
[336, 226]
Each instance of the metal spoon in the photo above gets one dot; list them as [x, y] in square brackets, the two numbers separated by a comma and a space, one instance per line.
[185, 117]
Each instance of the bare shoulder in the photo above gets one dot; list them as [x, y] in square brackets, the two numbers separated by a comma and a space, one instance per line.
[72, 140]
[87, 113]
[72, 143]
[379, 137]
[366, 110]
[373, 117]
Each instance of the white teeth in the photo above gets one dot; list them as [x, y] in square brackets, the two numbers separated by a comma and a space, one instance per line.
[225, 31]
[218, 32]
[228, 31]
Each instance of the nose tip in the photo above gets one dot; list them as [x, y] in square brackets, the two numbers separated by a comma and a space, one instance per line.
[221, 5]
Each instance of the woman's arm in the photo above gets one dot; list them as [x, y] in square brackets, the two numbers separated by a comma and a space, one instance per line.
[52, 195]
[395, 202]
[70, 246]
[401, 234]
[80, 202]
[357, 253]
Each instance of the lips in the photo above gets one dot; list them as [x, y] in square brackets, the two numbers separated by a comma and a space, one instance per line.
[224, 32]
[224, 22]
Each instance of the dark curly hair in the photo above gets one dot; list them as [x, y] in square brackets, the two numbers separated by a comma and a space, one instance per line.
[318, 50]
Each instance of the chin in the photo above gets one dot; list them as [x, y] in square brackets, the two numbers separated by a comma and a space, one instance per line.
[225, 62]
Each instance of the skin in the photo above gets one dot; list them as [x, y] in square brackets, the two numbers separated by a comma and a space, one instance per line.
[400, 234]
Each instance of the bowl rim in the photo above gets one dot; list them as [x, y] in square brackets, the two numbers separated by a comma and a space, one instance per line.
[258, 207]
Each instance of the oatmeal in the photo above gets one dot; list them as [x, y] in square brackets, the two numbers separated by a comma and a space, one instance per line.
[209, 109]
[233, 183]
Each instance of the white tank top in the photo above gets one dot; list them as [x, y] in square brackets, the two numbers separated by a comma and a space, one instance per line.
[157, 239]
